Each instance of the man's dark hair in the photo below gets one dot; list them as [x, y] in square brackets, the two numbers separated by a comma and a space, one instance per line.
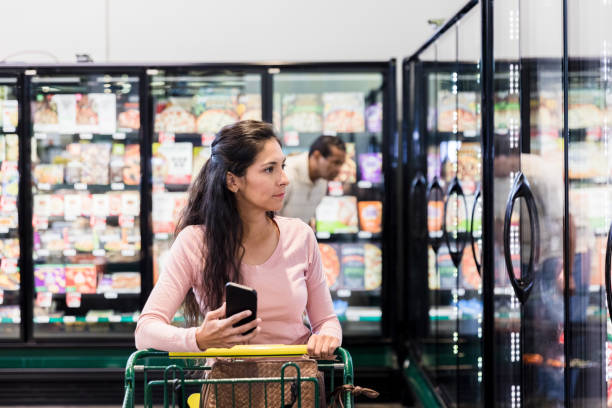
[324, 143]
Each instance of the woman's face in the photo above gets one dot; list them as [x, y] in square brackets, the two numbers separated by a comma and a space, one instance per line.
[263, 185]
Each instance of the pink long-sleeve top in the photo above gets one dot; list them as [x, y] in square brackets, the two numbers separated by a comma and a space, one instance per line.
[289, 282]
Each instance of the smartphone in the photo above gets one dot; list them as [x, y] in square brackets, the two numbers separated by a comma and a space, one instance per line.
[239, 298]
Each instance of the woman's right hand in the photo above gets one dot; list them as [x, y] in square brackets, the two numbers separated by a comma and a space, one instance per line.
[218, 331]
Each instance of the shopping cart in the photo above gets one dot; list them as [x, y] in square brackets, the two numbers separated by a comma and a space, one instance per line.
[177, 378]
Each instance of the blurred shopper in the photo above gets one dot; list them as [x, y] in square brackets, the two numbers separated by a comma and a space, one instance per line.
[308, 175]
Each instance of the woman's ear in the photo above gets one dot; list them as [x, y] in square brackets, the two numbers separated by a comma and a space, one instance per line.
[232, 182]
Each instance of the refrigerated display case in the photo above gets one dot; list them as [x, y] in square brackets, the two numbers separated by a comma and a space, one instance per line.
[352, 221]
[546, 243]
[10, 280]
[85, 156]
[188, 108]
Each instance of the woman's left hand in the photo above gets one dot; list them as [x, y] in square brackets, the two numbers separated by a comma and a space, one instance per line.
[322, 346]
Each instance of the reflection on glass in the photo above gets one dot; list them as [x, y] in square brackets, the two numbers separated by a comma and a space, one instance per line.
[10, 282]
[590, 201]
[348, 217]
[85, 139]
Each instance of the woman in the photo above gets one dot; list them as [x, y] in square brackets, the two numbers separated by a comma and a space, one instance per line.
[228, 233]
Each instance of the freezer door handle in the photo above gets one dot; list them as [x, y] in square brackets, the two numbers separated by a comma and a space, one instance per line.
[607, 272]
[454, 188]
[472, 239]
[419, 232]
[434, 241]
[520, 188]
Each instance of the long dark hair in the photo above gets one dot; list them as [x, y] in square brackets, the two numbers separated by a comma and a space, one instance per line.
[213, 205]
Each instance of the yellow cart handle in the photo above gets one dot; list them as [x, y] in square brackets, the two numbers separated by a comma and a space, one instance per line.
[251, 350]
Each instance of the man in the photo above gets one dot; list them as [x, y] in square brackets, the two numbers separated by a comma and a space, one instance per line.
[308, 175]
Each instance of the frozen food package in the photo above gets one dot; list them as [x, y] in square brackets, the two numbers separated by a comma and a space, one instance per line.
[44, 114]
[249, 107]
[116, 163]
[129, 117]
[200, 157]
[353, 266]
[373, 266]
[370, 216]
[9, 275]
[178, 158]
[96, 163]
[174, 116]
[81, 278]
[348, 170]
[96, 113]
[12, 147]
[374, 116]
[10, 249]
[131, 169]
[48, 174]
[370, 166]
[166, 210]
[337, 215]
[50, 278]
[126, 282]
[469, 161]
[42, 205]
[10, 115]
[215, 111]
[331, 265]
[10, 179]
[302, 113]
[343, 112]
[130, 204]
[57, 205]
[100, 205]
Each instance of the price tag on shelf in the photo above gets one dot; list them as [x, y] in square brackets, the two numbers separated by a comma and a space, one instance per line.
[364, 184]
[42, 319]
[91, 319]
[207, 139]
[44, 186]
[119, 136]
[99, 252]
[69, 319]
[111, 295]
[73, 300]
[70, 217]
[80, 186]
[165, 137]
[117, 186]
[44, 299]
[40, 136]
[4, 230]
[69, 252]
[364, 234]
[126, 221]
[128, 252]
[162, 236]
[85, 136]
[323, 235]
[114, 318]
[329, 133]
[43, 252]
[344, 293]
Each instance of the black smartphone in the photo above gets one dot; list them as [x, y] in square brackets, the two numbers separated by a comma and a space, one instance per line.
[239, 298]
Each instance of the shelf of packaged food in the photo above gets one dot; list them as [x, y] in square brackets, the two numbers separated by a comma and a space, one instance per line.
[361, 314]
[44, 253]
[196, 139]
[92, 188]
[110, 295]
[347, 293]
[127, 135]
[323, 236]
[93, 319]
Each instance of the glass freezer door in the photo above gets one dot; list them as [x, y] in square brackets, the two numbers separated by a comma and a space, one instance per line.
[10, 295]
[189, 108]
[86, 171]
[348, 221]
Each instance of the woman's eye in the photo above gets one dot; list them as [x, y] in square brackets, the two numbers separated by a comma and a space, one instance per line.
[283, 166]
[269, 169]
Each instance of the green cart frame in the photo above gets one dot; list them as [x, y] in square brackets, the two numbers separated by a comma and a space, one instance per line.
[166, 375]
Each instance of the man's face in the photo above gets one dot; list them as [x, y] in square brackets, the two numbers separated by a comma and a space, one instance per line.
[329, 167]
